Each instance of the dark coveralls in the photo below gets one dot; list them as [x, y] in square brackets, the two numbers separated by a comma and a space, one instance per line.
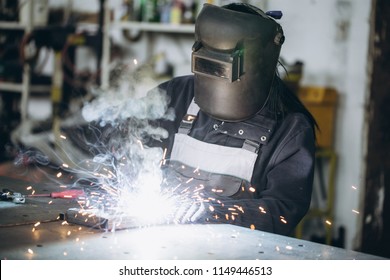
[277, 195]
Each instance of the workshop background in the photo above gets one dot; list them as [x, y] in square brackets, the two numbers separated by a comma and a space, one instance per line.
[53, 52]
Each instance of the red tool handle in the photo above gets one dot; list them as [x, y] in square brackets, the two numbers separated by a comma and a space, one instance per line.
[63, 194]
[67, 194]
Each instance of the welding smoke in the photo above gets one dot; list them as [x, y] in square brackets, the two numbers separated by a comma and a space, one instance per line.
[126, 170]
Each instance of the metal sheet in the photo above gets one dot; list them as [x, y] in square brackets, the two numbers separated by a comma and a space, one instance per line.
[168, 242]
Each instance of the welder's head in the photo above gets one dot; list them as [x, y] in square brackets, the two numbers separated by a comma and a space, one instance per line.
[234, 60]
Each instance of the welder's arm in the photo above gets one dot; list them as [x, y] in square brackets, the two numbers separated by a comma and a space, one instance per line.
[286, 198]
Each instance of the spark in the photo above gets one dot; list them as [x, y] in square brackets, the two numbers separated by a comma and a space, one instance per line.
[63, 137]
[33, 229]
[353, 187]
[65, 165]
[135, 61]
[50, 202]
[140, 144]
[189, 180]
[29, 188]
[68, 233]
[201, 187]
[328, 222]
[355, 211]
[163, 161]
[65, 253]
[288, 247]
[239, 208]
[252, 189]
[59, 174]
[30, 251]
[262, 210]
[211, 208]
[37, 224]
[283, 220]
[252, 227]
[217, 190]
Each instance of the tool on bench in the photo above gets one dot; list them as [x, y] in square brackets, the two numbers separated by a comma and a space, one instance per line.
[64, 194]
[8, 195]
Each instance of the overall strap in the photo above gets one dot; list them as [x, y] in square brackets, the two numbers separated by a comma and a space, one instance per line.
[189, 118]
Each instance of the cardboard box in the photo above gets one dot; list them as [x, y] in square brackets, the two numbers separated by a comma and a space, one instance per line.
[322, 104]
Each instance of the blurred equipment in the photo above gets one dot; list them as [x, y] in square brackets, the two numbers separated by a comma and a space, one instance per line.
[322, 103]
[8, 195]
[9, 10]
[294, 74]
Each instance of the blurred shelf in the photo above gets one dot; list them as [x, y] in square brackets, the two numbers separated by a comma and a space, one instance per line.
[15, 87]
[155, 27]
[12, 25]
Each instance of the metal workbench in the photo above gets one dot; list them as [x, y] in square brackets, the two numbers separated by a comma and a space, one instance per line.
[22, 239]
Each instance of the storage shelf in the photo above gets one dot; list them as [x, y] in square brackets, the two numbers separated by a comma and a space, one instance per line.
[15, 87]
[155, 27]
[11, 25]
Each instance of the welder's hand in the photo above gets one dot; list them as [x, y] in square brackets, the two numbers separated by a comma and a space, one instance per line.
[190, 212]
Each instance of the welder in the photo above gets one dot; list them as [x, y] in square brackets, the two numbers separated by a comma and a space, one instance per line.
[241, 139]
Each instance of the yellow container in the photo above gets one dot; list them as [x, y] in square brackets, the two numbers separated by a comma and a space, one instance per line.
[322, 104]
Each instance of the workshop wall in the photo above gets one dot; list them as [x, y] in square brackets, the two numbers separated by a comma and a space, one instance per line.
[331, 38]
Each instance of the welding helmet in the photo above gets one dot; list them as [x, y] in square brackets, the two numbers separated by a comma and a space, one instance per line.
[234, 60]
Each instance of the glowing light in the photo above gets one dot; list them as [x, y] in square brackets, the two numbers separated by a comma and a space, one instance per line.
[189, 180]
[262, 210]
